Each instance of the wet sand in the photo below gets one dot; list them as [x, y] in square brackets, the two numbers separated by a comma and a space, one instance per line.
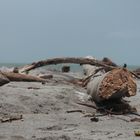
[44, 109]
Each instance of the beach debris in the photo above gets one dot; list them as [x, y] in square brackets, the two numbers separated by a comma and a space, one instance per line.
[135, 120]
[89, 114]
[10, 118]
[121, 118]
[22, 77]
[115, 84]
[106, 63]
[33, 88]
[87, 79]
[45, 76]
[105, 80]
[66, 68]
[6, 77]
[94, 119]
[3, 79]
[83, 112]
[54, 61]
[111, 108]
[16, 70]
[73, 111]
[137, 133]
[137, 71]
[109, 62]
[89, 69]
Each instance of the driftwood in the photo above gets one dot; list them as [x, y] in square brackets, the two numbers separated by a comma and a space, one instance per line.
[3, 79]
[73, 111]
[45, 76]
[21, 77]
[89, 69]
[10, 118]
[65, 68]
[114, 84]
[86, 80]
[137, 71]
[64, 60]
[109, 62]
[111, 107]
[74, 60]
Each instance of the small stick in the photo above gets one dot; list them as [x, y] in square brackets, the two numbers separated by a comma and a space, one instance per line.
[135, 113]
[72, 111]
[100, 108]
[88, 105]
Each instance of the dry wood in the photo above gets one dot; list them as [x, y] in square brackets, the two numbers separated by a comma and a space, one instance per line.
[135, 120]
[115, 84]
[22, 77]
[73, 111]
[86, 80]
[33, 88]
[106, 110]
[106, 65]
[64, 60]
[117, 81]
[10, 118]
[3, 79]
[100, 109]
[65, 68]
[45, 76]
[137, 71]
[137, 133]
[109, 62]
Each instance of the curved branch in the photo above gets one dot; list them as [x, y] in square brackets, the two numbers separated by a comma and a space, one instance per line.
[65, 60]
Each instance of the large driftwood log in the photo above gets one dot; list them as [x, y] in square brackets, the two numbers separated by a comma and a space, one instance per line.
[21, 77]
[64, 60]
[115, 84]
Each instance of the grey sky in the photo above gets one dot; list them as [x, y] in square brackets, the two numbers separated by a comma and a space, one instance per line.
[31, 30]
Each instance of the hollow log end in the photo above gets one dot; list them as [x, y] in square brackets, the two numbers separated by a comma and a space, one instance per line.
[118, 83]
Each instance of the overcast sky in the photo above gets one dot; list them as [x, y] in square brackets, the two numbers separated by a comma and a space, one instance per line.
[32, 30]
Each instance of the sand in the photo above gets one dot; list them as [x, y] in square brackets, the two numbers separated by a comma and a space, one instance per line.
[44, 109]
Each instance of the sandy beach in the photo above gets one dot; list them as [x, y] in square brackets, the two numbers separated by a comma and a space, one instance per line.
[44, 113]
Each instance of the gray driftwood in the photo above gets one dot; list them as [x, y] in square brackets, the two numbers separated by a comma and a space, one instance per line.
[74, 60]
[3, 79]
[21, 77]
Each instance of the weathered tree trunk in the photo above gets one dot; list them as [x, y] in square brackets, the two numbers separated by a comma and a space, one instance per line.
[115, 84]
[21, 77]
[64, 60]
